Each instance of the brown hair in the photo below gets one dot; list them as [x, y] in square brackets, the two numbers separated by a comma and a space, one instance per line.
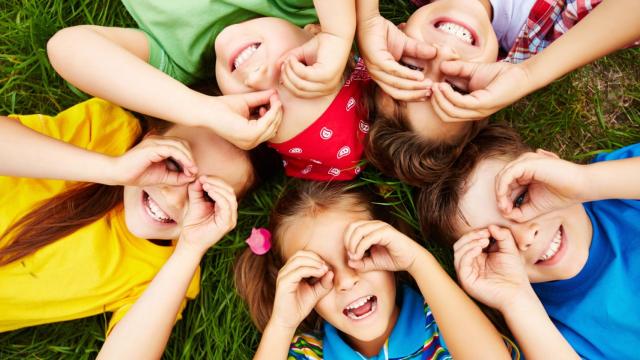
[437, 203]
[81, 205]
[255, 276]
[397, 151]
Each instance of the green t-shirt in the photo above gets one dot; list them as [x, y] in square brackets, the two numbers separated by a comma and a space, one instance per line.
[181, 34]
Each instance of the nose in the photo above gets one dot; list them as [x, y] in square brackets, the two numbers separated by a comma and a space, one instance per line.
[258, 77]
[175, 197]
[525, 234]
[444, 53]
[345, 278]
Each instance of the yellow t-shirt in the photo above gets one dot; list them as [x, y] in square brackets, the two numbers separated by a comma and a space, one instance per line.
[99, 268]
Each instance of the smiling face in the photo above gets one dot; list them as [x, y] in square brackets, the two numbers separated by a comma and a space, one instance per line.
[248, 54]
[554, 246]
[361, 304]
[460, 29]
[156, 212]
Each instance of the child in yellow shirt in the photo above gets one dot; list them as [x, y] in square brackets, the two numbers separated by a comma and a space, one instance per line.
[77, 246]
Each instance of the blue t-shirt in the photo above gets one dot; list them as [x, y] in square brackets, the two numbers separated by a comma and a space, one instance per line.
[598, 310]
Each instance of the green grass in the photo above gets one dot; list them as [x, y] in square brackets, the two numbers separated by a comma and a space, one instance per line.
[594, 109]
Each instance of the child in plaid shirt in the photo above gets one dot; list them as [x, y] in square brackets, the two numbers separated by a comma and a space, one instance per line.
[439, 71]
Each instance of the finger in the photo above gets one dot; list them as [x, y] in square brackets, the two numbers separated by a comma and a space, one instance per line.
[396, 47]
[401, 83]
[301, 87]
[288, 83]
[217, 182]
[466, 265]
[371, 236]
[270, 122]
[302, 272]
[223, 208]
[509, 179]
[453, 113]
[457, 256]
[303, 258]
[228, 200]
[195, 192]
[404, 95]
[314, 74]
[257, 98]
[348, 234]
[468, 102]
[325, 284]
[459, 68]
[504, 239]
[419, 49]
[357, 235]
[162, 150]
[470, 236]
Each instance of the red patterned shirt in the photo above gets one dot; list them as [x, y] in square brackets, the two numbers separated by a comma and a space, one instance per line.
[331, 148]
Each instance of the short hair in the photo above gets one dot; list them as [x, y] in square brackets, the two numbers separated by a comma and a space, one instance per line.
[438, 203]
[398, 151]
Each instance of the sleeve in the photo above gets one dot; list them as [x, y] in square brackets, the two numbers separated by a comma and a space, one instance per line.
[619, 154]
[513, 349]
[161, 60]
[305, 346]
[95, 125]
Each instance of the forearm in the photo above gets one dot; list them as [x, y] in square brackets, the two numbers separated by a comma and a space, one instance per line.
[617, 179]
[274, 343]
[366, 9]
[536, 335]
[343, 25]
[101, 67]
[28, 153]
[454, 310]
[143, 333]
[609, 27]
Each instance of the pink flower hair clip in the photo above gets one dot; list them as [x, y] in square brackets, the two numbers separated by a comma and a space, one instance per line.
[259, 241]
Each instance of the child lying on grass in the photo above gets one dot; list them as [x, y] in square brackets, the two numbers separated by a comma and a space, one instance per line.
[534, 231]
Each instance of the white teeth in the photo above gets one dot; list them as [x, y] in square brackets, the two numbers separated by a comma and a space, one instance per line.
[356, 304]
[457, 31]
[244, 55]
[553, 247]
[155, 211]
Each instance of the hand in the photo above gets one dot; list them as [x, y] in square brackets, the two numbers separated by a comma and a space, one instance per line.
[234, 122]
[325, 56]
[496, 277]
[493, 86]
[376, 245]
[156, 160]
[301, 283]
[537, 183]
[212, 212]
[382, 44]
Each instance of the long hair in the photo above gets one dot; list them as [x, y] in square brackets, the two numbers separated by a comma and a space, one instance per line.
[255, 276]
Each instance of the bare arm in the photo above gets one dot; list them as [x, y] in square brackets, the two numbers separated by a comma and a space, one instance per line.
[111, 63]
[454, 311]
[28, 153]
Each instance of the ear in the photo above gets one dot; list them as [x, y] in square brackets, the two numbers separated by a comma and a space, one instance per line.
[547, 153]
[313, 29]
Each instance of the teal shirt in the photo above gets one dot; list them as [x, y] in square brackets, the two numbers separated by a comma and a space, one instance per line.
[181, 34]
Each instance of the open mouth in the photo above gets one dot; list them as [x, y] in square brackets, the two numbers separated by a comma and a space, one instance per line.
[554, 247]
[154, 211]
[361, 308]
[243, 55]
[458, 29]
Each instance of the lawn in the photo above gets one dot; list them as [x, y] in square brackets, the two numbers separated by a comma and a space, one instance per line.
[594, 109]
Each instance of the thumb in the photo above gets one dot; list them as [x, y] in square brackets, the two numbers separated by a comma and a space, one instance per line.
[257, 98]
[459, 68]
[322, 287]
[195, 193]
[419, 49]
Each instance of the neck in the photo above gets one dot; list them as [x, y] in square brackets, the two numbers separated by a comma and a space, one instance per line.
[372, 347]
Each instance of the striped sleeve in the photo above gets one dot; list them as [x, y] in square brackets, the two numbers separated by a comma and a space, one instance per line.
[305, 346]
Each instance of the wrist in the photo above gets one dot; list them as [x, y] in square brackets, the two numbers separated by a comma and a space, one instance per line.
[423, 257]
[199, 111]
[189, 251]
[106, 170]
[523, 302]
[277, 328]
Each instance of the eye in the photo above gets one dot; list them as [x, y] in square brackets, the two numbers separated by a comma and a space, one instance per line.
[312, 280]
[520, 199]
[173, 165]
[410, 66]
[492, 247]
[457, 88]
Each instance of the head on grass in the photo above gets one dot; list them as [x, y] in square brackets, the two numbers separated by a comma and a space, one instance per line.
[553, 246]
[249, 54]
[151, 212]
[413, 130]
[313, 216]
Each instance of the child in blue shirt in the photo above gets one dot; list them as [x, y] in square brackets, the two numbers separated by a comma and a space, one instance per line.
[330, 274]
[539, 235]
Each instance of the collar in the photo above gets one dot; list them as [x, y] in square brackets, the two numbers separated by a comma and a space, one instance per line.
[407, 337]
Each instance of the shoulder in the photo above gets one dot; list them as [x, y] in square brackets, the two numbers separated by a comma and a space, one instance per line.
[305, 346]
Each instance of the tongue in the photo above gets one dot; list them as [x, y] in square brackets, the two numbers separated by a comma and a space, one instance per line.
[359, 311]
